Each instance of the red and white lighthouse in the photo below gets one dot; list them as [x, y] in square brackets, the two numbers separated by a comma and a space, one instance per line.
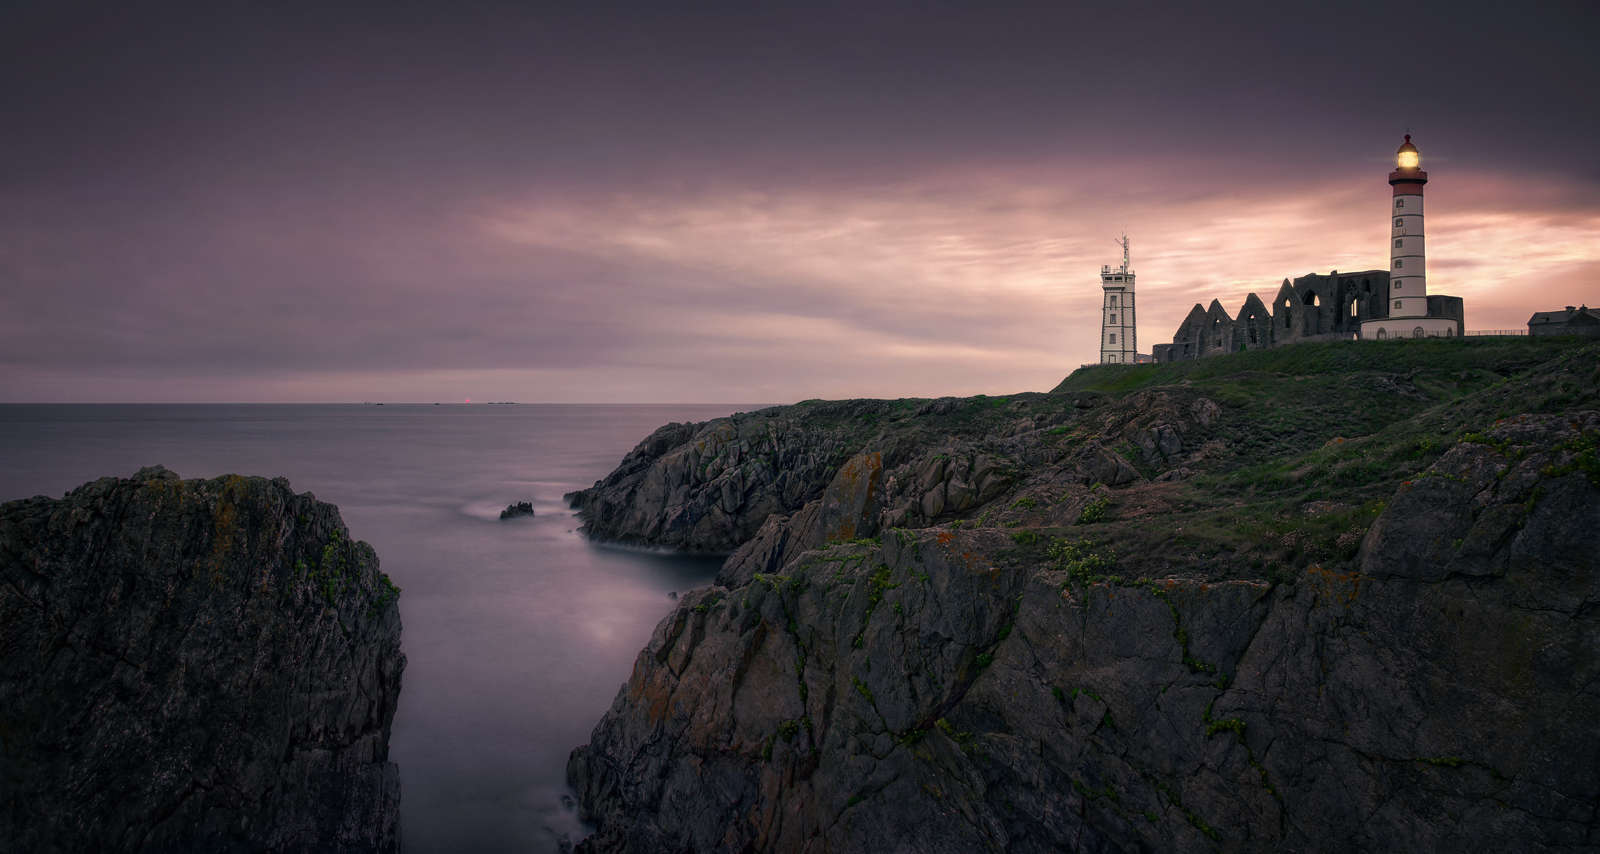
[1408, 258]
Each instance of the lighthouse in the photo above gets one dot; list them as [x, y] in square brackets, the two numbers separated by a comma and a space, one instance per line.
[1408, 315]
[1118, 336]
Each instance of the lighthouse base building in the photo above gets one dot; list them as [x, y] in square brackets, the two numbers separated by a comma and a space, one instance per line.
[1378, 305]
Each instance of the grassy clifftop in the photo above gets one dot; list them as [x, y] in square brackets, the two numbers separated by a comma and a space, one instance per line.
[1314, 439]
[1250, 465]
[1339, 357]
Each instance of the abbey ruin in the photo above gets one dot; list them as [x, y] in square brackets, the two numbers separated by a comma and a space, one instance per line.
[1310, 308]
[1373, 305]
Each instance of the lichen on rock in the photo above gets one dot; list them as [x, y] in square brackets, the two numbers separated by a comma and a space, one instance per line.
[953, 699]
[194, 665]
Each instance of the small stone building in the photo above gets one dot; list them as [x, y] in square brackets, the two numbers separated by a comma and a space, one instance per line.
[1573, 321]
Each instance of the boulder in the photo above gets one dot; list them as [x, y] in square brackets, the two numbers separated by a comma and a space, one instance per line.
[1205, 411]
[1158, 443]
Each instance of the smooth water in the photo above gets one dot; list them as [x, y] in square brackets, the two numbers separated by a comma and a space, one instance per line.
[518, 632]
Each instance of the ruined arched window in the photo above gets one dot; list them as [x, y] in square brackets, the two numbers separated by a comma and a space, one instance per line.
[1417, 333]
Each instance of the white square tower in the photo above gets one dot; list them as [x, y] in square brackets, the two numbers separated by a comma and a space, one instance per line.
[1119, 340]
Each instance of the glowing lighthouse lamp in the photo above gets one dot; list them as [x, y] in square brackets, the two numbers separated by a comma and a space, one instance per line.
[1408, 279]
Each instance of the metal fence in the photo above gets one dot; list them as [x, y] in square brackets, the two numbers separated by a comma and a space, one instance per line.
[1481, 333]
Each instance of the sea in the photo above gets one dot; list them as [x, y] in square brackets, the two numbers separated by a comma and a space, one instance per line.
[518, 633]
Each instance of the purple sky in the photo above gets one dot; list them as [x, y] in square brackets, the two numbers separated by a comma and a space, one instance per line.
[598, 202]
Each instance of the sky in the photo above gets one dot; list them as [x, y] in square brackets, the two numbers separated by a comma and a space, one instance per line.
[743, 202]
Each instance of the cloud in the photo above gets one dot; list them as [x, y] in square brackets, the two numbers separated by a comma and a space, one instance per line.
[927, 281]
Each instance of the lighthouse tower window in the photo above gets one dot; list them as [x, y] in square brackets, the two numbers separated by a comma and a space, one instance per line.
[1113, 338]
[1399, 223]
[1396, 303]
[1113, 318]
[1398, 263]
[1399, 203]
[1399, 243]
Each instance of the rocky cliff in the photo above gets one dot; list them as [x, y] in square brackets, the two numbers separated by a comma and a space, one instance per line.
[847, 469]
[194, 665]
[1248, 611]
[958, 691]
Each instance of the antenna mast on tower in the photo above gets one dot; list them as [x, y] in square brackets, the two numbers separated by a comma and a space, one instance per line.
[1124, 244]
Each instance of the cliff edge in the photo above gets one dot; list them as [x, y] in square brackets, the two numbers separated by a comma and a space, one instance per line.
[1329, 598]
[959, 691]
[194, 665]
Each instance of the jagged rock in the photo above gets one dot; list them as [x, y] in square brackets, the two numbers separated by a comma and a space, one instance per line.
[1100, 465]
[1469, 515]
[920, 696]
[958, 496]
[710, 487]
[1158, 443]
[852, 501]
[517, 511]
[1205, 411]
[200, 665]
[848, 509]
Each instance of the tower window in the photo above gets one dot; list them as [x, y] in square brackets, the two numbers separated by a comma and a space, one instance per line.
[1399, 203]
[1398, 263]
[1399, 243]
[1113, 337]
[1396, 303]
[1113, 299]
[1113, 318]
[1397, 283]
[1399, 223]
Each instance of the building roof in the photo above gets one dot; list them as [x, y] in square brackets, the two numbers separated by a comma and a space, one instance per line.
[1579, 316]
